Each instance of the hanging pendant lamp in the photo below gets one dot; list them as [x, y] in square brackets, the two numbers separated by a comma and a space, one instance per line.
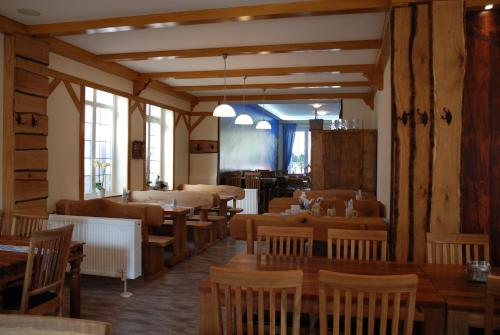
[263, 124]
[244, 119]
[224, 110]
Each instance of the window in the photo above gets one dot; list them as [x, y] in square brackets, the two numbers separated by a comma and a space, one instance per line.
[106, 129]
[159, 144]
[301, 152]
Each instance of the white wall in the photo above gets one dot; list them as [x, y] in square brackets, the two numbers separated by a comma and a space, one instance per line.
[358, 109]
[1, 116]
[203, 167]
[63, 136]
[383, 120]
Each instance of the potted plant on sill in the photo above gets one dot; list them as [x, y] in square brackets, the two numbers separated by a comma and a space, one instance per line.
[100, 184]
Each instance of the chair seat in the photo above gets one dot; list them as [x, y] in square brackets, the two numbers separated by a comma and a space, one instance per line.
[160, 241]
[11, 298]
[235, 210]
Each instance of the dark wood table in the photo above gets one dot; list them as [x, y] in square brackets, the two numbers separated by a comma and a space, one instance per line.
[178, 216]
[462, 297]
[429, 300]
[13, 266]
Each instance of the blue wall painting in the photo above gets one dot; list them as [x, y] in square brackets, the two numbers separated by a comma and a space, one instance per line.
[247, 148]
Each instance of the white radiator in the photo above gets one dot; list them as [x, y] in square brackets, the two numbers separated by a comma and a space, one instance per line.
[250, 204]
[111, 245]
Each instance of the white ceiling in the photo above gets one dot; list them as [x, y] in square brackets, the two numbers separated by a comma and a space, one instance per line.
[348, 27]
[302, 111]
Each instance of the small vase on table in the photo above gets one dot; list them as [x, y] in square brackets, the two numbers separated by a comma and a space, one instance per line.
[102, 192]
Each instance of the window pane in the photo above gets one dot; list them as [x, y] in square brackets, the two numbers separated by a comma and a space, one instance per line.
[105, 98]
[89, 93]
[298, 160]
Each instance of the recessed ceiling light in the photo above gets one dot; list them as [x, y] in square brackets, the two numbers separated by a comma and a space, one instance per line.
[335, 49]
[335, 86]
[162, 25]
[244, 18]
[316, 106]
[335, 72]
[264, 53]
[28, 12]
[488, 6]
[322, 112]
[109, 30]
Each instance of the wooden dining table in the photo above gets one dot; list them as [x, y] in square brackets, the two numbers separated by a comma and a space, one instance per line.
[13, 266]
[429, 300]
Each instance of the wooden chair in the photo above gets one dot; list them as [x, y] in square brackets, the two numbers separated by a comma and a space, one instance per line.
[24, 224]
[252, 180]
[270, 289]
[357, 296]
[46, 324]
[357, 244]
[493, 292]
[233, 178]
[445, 248]
[43, 287]
[266, 173]
[285, 241]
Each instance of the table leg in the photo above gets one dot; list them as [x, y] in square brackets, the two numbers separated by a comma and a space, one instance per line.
[180, 244]
[207, 320]
[223, 208]
[74, 291]
[434, 321]
[458, 323]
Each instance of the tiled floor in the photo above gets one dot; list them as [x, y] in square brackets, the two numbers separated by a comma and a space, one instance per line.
[167, 305]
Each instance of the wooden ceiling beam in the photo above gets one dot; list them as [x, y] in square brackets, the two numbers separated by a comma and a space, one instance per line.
[9, 26]
[469, 4]
[241, 50]
[278, 71]
[242, 13]
[70, 51]
[383, 54]
[180, 88]
[279, 97]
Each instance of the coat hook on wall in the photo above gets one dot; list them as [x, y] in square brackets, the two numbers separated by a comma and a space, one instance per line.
[424, 117]
[447, 115]
[34, 121]
[404, 118]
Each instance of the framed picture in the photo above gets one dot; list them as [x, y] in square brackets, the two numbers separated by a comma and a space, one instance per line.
[138, 149]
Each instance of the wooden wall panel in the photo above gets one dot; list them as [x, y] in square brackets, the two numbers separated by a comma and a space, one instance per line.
[26, 190]
[344, 159]
[480, 135]
[31, 160]
[31, 124]
[422, 122]
[30, 141]
[32, 49]
[449, 69]
[31, 83]
[400, 217]
[32, 206]
[24, 103]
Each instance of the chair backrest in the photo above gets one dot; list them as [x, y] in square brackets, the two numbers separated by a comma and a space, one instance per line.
[357, 244]
[358, 296]
[24, 224]
[54, 324]
[233, 178]
[252, 180]
[239, 290]
[493, 293]
[266, 173]
[445, 248]
[285, 241]
[46, 265]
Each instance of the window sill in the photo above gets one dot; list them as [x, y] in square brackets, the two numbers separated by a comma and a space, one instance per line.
[96, 196]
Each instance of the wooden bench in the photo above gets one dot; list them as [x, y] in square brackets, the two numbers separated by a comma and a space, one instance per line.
[219, 221]
[203, 233]
[155, 259]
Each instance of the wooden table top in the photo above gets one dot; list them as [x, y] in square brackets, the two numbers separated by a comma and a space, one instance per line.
[11, 261]
[427, 295]
[459, 293]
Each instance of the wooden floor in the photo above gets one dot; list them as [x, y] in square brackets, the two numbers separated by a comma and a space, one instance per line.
[167, 305]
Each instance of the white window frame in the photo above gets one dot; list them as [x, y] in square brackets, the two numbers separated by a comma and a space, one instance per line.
[307, 146]
[94, 104]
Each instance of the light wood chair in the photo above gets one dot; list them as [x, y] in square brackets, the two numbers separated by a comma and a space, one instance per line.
[357, 244]
[24, 224]
[285, 241]
[269, 288]
[493, 292]
[252, 180]
[457, 249]
[42, 291]
[46, 324]
[357, 296]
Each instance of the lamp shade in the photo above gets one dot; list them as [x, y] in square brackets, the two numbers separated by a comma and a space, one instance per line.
[263, 125]
[224, 110]
[243, 119]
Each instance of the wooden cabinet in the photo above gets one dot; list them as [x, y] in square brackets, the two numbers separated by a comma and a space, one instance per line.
[344, 159]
